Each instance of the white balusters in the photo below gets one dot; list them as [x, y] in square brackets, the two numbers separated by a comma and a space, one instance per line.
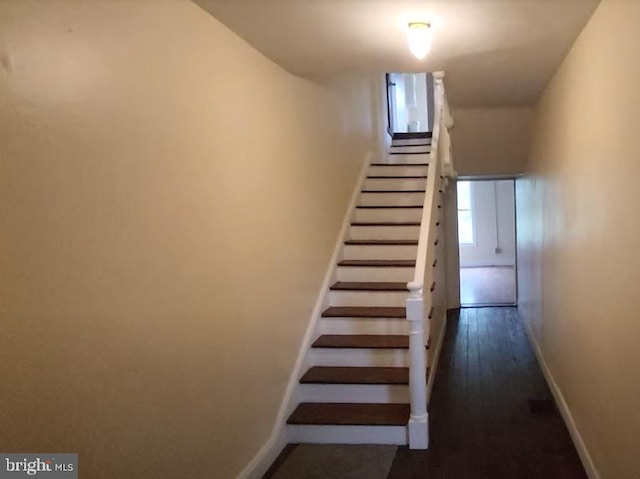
[420, 298]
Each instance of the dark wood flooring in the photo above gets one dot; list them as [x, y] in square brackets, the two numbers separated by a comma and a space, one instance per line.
[491, 412]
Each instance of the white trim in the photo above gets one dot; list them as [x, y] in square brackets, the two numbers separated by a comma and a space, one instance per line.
[267, 454]
[385, 139]
[260, 463]
[436, 357]
[489, 177]
[496, 262]
[585, 457]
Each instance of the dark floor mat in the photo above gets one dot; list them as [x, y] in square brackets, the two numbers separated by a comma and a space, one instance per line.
[337, 461]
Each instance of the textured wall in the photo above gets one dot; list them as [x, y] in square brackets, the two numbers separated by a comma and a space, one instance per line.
[169, 200]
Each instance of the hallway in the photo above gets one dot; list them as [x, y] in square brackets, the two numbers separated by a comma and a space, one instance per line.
[488, 286]
[491, 413]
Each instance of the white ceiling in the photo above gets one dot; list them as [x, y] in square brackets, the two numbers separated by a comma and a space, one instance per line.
[494, 52]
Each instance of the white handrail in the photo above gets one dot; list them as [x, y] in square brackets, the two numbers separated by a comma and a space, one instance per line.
[433, 179]
[420, 298]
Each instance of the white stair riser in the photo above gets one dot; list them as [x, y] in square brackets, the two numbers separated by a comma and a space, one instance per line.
[301, 434]
[384, 232]
[363, 326]
[364, 274]
[403, 170]
[412, 141]
[369, 298]
[410, 149]
[392, 199]
[404, 165]
[354, 393]
[382, 184]
[406, 159]
[380, 252]
[388, 215]
[359, 357]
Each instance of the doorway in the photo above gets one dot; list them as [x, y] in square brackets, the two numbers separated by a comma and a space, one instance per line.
[487, 242]
[409, 102]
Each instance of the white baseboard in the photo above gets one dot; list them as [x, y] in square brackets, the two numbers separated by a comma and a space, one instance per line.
[585, 457]
[267, 454]
[488, 263]
[436, 357]
[260, 463]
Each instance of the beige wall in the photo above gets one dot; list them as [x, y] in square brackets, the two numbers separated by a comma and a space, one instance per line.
[578, 233]
[169, 201]
[491, 141]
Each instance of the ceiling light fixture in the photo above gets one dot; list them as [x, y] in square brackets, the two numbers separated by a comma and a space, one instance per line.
[419, 39]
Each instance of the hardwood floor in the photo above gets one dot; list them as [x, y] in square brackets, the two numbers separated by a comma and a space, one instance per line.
[491, 413]
[494, 285]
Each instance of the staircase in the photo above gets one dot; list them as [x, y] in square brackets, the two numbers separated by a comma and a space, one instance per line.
[356, 386]
[365, 376]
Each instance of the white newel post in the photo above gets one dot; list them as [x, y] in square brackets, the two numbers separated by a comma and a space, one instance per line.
[419, 420]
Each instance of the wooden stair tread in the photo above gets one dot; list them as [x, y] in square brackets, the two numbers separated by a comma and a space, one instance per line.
[385, 223]
[409, 152]
[379, 263]
[364, 312]
[382, 242]
[412, 135]
[389, 207]
[350, 414]
[412, 144]
[368, 286]
[355, 375]
[393, 191]
[402, 164]
[395, 177]
[363, 341]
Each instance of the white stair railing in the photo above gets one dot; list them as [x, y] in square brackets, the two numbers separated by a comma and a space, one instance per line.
[420, 302]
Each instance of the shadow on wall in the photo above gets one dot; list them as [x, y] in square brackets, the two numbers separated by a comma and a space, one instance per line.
[491, 141]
